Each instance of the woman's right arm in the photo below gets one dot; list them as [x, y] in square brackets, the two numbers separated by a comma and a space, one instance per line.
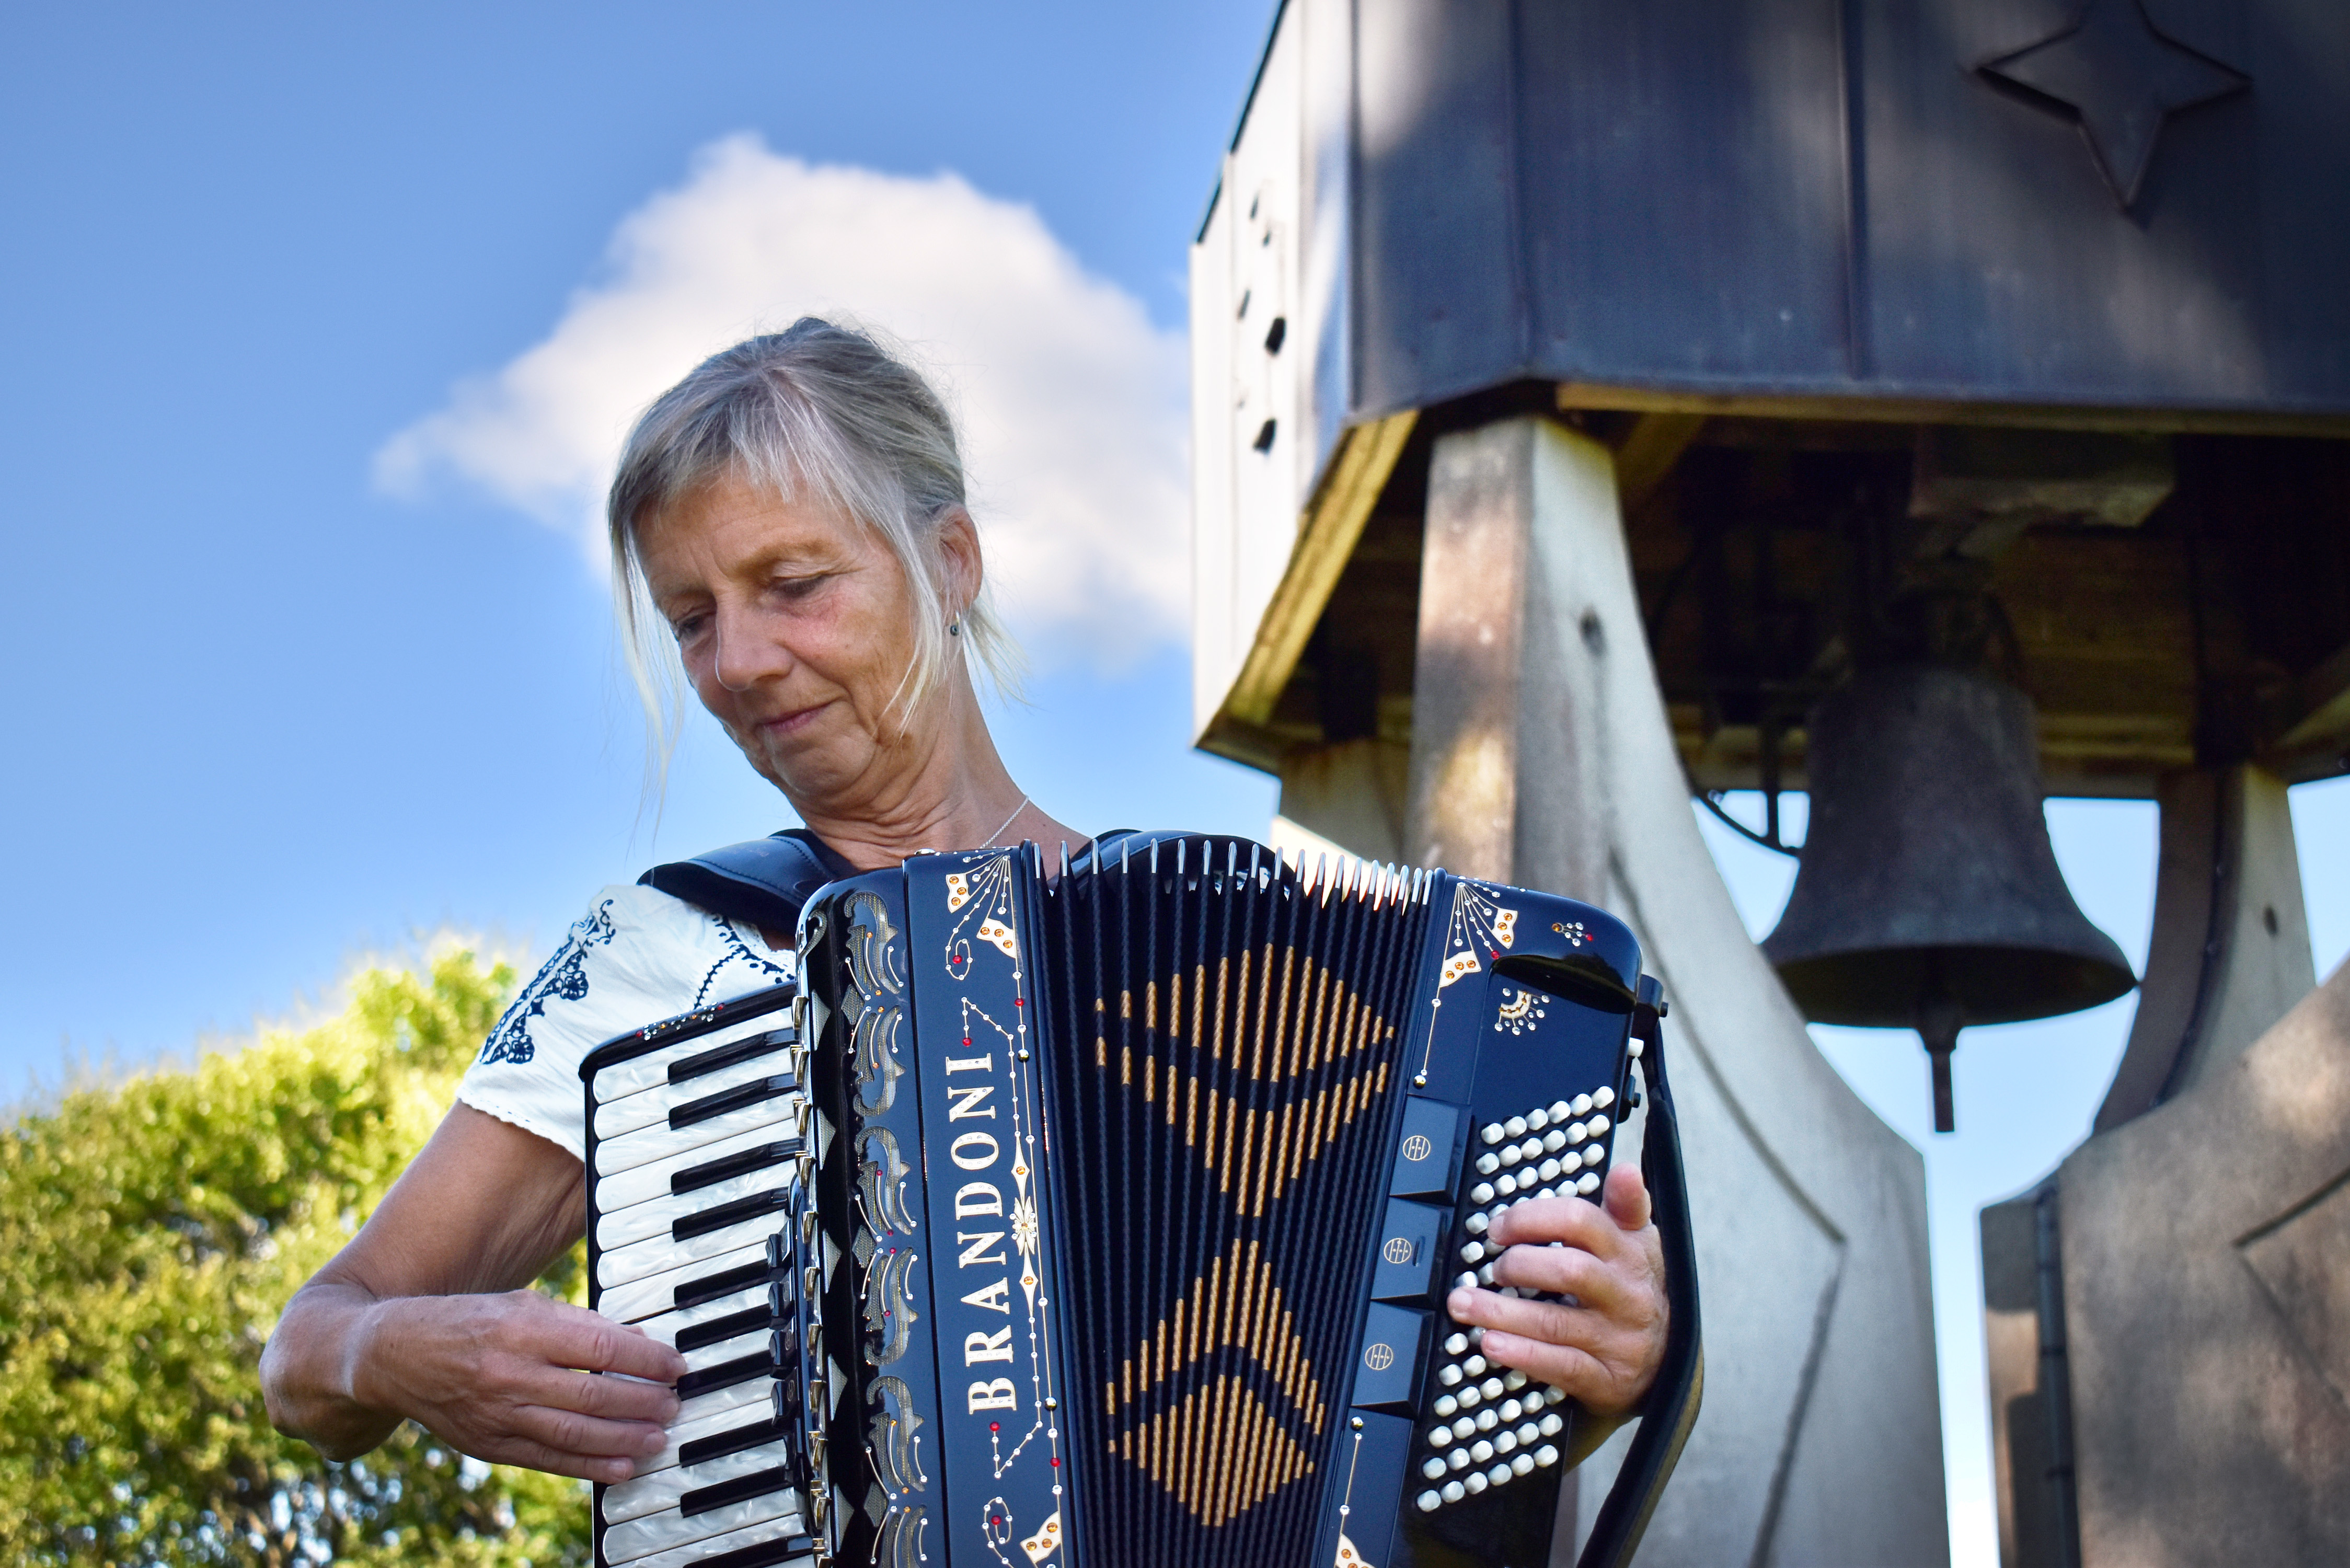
[427, 1315]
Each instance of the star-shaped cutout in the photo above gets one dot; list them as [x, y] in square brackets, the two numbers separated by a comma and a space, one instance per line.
[2121, 78]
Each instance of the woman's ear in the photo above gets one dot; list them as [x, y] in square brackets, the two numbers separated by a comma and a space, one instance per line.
[960, 570]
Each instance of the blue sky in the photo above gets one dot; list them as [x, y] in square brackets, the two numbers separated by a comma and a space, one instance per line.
[280, 702]
[266, 714]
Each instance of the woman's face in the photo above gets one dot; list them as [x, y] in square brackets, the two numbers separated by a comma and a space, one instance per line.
[796, 628]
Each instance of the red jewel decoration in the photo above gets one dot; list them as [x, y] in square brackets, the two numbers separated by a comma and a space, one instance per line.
[1057, 1464]
[993, 1427]
[1019, 1002]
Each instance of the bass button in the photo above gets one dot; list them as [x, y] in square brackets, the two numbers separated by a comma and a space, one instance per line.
[1428, 1150]
[1394, 1347]
[1410, 1245]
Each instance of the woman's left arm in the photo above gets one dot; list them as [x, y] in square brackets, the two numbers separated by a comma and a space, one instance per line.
[1606, 1347]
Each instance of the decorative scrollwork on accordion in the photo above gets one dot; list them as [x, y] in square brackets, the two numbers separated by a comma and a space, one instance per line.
[894, 1445]
[879, 1013]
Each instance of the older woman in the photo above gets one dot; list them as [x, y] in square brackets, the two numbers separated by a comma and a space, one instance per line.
[793, 514]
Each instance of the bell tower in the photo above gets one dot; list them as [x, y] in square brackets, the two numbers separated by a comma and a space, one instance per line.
[1929, 405]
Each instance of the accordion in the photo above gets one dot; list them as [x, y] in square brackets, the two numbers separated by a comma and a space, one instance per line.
[1105, 1220]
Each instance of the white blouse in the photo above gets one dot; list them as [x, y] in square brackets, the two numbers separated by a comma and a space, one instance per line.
[639, 956]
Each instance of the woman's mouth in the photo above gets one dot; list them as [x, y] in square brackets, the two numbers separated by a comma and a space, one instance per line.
[791, 723]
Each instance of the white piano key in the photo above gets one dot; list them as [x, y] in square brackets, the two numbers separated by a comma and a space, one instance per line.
[727, 1420]
[751, 1342]
[658, 1293]
[660, 1255]
[791, 1524]
[734, 1396]
[634, 1224]
[649, 1106]
[641, 1073]
[644, 1183]
[659, 1141]
[670, 1324]
[644, 1494]
[631, 1225]
[659, 1531]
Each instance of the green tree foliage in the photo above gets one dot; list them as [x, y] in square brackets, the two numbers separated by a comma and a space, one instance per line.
[150, 1233]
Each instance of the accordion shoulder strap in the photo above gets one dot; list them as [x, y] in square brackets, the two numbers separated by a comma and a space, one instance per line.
[767, 880]
[764, 882]
[1672, 1403]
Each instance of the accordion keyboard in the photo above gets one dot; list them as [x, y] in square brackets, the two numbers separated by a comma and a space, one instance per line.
[697, 1134]
[1491, 1425]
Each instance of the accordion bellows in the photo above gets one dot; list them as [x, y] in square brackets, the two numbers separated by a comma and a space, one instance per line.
[1105, 1217]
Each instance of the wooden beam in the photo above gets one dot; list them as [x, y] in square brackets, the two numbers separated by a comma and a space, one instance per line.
[1943, 411]
[2324, 694]
[1649, 450]
[1326, 539]
[1251, 745]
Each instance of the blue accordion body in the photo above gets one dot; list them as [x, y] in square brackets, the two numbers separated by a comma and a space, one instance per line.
[1106, 1218]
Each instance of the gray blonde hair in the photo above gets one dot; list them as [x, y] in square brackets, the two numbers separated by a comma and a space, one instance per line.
[818, 409]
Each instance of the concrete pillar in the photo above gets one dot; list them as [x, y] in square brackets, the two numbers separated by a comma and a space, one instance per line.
[2031, 1385]
[2230, 956]
[2207, 1310]
[1542, 755]
[2230, 945]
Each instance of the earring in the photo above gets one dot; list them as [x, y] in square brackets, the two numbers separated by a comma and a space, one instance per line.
[955, 629]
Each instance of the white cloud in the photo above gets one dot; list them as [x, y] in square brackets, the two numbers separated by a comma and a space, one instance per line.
[1072, 404]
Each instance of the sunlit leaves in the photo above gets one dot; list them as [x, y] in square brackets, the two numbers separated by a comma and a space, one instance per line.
[150, 1233]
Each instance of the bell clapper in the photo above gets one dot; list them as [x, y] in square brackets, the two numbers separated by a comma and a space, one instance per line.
[1940, 1020]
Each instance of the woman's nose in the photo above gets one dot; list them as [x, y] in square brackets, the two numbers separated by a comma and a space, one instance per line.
[746, 654]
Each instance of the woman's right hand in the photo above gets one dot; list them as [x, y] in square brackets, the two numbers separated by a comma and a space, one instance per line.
[518, 1379]
[421, 1318]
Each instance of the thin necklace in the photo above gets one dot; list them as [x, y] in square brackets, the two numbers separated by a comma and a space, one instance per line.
[1007, 822]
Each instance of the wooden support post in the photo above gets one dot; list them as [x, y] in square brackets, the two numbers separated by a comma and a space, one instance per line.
[1542, 755]
[1350, 794]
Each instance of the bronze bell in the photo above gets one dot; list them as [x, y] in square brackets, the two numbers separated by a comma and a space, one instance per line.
[1929, 896]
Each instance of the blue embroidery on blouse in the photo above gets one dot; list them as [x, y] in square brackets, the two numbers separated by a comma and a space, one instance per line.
[736, 950]
[563, 977]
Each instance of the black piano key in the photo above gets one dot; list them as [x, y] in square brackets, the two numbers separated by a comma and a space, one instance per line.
[687, 1226]
[726, 1374]
[779, 1306]
[775, 1266]
[742, 1489]
[726, 1055]
[720, 1329]
[779, 1359]
[734, 1099]
[695, 1176]
[718, 1445]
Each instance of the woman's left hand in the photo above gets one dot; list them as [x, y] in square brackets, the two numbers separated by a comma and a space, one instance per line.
[1604, 1348]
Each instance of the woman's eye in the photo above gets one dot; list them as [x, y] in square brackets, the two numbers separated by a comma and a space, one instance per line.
[801, 587]
[685, 626]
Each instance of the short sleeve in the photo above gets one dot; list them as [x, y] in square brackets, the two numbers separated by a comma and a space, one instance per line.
[637, 956]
